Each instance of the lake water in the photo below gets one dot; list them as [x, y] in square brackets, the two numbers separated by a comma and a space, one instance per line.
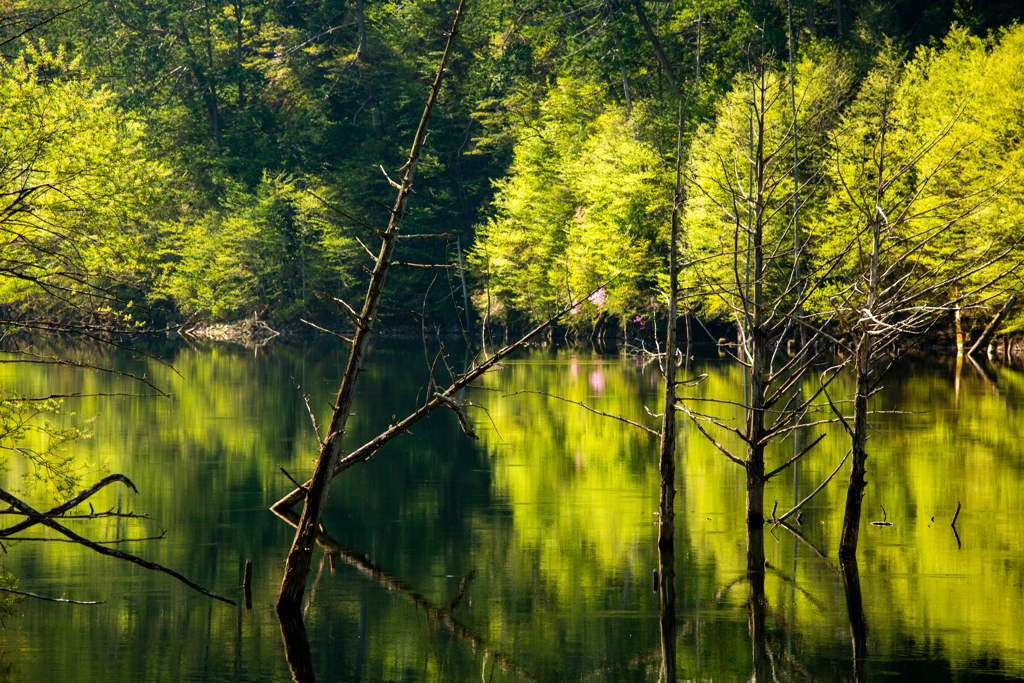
[527, 555]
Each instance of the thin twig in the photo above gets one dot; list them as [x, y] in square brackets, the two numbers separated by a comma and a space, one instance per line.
[583, 405]
[43, 597]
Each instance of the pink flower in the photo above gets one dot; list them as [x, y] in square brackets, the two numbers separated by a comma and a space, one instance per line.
[599, 298]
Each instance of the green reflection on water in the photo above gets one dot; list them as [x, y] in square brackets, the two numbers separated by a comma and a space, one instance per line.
[554, 511]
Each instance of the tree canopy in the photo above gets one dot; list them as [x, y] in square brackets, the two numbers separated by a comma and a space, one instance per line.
[251, 137]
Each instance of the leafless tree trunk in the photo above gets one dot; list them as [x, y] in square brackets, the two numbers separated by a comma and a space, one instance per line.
[858, 625]
[896, 295]
[663, 61]
[297, 565]
[993, 326]
[766, 312]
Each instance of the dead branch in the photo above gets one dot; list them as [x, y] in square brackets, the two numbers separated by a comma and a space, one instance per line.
[456, 407]
[366, 451]
[650, 431]
[815, 491]
[70, 504]
[793, 459]
[322, 329]
[39, 518]
[710, 438]
[43, 597]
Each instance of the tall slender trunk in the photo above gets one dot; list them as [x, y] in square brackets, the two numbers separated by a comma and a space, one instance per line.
[364, 72]
[625, 78]
[211, 83]
[238, 55]
[858, 469]
[855, 611]
[796, 185]
[297, 565]
[809, 5]
[663, 62]
[758, 343]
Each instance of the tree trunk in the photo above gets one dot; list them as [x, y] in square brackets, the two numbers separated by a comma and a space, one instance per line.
[758, 351]
[810, 18]
[656, 46]
[364, 75]
[239, 16]
[855, 611]
[625, 79]
[297, 566]
[858, 468]
[992, 326]
[959, 331]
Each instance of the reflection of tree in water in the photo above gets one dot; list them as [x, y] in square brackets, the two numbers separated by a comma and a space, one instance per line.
[293, 631]
[63, 512]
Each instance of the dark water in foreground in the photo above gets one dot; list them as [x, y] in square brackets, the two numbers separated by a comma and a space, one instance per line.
[527, 555]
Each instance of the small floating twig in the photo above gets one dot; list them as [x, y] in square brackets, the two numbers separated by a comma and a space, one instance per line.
[43, 597]
[885, 516]
[955, 515]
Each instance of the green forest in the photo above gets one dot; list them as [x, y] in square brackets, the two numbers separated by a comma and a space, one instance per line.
[164, 162]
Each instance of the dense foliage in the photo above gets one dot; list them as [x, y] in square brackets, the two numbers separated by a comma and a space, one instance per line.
[223, 159]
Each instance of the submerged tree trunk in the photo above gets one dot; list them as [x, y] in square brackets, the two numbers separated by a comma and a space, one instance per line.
[855, 611]
[757, 606]
[858, 468]
[297, 566]
[667, 450]
[758, 343]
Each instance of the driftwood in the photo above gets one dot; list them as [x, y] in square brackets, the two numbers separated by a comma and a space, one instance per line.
[250, 332]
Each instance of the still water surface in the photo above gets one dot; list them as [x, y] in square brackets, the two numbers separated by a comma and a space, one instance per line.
[526, 555]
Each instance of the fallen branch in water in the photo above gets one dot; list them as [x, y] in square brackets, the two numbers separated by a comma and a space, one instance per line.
[43, 597]
[70, 504]
[650, 431]
[36, 517]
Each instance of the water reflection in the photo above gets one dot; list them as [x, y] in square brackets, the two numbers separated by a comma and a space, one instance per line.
[666, 585]
[855, 610]
[554, 510]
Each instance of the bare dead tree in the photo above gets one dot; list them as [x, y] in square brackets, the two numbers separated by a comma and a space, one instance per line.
[754, 273]
[297, 565]
[50, 519]
[900, 286]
